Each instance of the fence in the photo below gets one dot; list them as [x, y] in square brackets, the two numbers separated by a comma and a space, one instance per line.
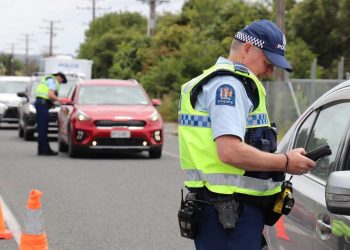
[286, 100]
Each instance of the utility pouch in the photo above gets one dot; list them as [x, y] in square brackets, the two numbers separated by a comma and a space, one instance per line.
[227, 212]
[187, 215]
[285, 201]
[283, 204]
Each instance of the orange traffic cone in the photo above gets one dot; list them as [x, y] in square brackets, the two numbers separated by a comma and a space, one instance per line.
[281, 230]
[33, 236]
[4, 233]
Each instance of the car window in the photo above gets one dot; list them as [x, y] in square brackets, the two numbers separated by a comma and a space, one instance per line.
[111, 95]
[65, 89]
[304, 131]
[12, 87]
[329, 128]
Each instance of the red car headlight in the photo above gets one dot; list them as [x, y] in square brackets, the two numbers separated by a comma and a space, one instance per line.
[81, 116]
[154, 116]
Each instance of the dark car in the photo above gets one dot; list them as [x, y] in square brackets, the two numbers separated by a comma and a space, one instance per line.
[109, 114]
[27, 112]
[320, 217]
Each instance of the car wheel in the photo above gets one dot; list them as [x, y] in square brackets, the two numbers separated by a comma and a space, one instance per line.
[20, 131]
[62, 147]
[72, 150]
[28, 135]
[155, 152]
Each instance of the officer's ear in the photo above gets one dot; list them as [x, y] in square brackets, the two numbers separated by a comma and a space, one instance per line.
[247, 47]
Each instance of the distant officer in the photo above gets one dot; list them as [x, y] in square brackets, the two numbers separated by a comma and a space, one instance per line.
[46, 95]
[226, 143]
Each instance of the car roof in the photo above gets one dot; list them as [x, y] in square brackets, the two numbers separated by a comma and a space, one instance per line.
[113, 82]
[339, 92]
[14, 78]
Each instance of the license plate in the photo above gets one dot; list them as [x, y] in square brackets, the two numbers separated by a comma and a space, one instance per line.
[120, 134]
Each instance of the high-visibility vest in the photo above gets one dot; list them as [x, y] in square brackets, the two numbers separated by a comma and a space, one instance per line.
[198, 153]
[42, 90]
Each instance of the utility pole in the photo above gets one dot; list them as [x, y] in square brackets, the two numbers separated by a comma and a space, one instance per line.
[10, 65]
[26, 49]
[278, 74]
[51, 31]
[280, 21]
[93, 8]
[151, 27]
[26, 53]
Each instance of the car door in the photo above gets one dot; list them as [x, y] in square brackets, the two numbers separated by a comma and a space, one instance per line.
[65, 113]
[330, 127]
[310, 225]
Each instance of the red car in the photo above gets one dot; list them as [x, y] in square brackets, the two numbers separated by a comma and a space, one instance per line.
[103, 114]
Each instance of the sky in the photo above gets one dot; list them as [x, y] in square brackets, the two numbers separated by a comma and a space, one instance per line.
[31, 18]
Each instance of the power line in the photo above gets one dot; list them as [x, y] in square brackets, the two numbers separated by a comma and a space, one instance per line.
[93, 8]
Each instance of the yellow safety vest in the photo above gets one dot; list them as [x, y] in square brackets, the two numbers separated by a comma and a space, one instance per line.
[198, 154]
[42, 90]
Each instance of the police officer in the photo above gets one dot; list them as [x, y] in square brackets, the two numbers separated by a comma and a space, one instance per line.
[226, 140]
[46, 93]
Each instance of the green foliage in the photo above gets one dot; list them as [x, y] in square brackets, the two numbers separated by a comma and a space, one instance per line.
[189, 42]
[301, 57]
[10, 66]
[324, 26]
[168, 109]
[104, 37]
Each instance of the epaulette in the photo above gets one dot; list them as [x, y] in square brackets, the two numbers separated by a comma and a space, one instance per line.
[240, 68]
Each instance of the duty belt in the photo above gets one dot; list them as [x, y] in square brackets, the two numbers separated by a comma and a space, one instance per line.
[43, 101]
[204, 194]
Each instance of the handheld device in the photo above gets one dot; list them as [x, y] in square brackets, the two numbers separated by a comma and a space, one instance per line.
[319, 153]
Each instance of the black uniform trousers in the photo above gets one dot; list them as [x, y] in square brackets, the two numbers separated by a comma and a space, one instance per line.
[42, 107]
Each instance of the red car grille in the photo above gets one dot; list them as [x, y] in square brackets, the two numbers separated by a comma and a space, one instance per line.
[119, 142]
[110, 123]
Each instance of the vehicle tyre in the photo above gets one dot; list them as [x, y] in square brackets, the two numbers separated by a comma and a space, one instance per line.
[28, 135]
[20, 131]
[62, 147]
[73, 152]
[155, 152]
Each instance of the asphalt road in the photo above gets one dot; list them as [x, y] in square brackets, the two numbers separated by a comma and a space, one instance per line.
[109, 201]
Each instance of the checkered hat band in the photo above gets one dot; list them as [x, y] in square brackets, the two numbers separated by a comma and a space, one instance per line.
[248, 38]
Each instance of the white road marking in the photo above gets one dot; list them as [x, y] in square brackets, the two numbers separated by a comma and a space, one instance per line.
[11, 221]
[170, 154]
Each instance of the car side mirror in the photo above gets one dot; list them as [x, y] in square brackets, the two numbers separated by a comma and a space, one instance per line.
[156, 102]
[66, 101]
[338, 192]
[23, 94]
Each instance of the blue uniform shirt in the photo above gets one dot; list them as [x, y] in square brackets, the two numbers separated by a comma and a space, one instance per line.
[227, 103]
[51, 84]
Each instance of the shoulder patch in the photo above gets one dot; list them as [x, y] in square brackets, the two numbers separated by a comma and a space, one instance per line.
[225, 95]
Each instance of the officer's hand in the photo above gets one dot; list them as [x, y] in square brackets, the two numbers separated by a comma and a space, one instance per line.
[297, 163]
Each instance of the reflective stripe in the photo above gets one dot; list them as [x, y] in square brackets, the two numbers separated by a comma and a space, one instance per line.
[34, 223]
[190, 84]
[232, 180]
[194, 120]
[257, 119]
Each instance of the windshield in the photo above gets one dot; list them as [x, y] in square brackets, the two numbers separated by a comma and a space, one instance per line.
[112, 95]
[64, 88]
[12, 87]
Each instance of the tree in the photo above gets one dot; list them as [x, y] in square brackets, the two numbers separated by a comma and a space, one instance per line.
[324, 26]
[105, 35]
